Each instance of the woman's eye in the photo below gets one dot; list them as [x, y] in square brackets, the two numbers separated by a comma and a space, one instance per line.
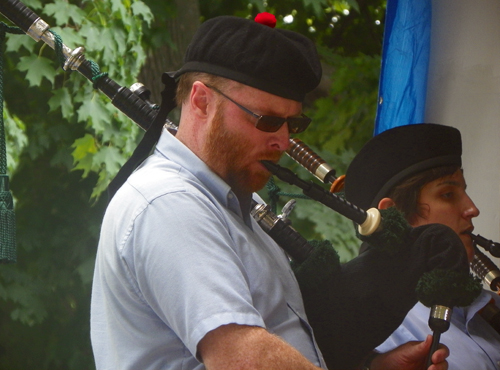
[447, 195]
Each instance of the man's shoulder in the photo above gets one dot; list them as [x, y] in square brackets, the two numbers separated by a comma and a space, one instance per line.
[159, 176]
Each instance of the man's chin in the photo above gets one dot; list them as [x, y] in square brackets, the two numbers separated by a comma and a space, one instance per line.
[258, 181]
[261, 184]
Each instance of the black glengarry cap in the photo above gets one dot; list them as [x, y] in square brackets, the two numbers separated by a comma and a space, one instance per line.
[277, 61]
[396, 154]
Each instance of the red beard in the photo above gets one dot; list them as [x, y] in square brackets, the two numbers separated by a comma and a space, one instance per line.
[233, 158]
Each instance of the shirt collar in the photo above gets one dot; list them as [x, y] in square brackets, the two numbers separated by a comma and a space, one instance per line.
[484, 298]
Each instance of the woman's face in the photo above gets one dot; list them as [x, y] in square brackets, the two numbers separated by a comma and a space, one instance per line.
[445, 201]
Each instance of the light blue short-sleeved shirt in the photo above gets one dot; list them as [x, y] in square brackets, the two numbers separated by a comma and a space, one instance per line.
[177, 259]
[473, 343]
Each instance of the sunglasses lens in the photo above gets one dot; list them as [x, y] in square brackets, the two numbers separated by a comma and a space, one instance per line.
[273, 124]
[298, 124]
[270, 123]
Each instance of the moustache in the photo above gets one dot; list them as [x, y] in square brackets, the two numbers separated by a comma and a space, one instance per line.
[272, 156]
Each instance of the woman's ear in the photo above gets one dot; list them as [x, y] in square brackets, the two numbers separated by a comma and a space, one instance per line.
[386, 203]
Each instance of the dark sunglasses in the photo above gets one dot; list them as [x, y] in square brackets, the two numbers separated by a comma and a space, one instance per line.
[272, 123]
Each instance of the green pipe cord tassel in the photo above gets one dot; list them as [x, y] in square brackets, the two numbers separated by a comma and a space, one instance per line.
[8, 252]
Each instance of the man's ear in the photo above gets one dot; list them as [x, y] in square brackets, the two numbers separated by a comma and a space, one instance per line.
[200, 97]
[386, 203]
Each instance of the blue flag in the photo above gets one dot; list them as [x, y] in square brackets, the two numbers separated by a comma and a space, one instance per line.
[405, 61]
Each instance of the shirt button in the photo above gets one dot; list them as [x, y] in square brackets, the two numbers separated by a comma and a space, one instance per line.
[230, 196]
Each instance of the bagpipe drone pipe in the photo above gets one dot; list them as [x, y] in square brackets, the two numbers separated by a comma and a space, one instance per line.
[489, 273]
[353, 306]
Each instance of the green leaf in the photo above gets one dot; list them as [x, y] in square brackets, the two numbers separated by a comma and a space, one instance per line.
[111, 158]
[37, 68]
[141, 9]
[109, 52]
[16, 42]
[62, 99]
[16, 139]
[36, 4]
[91, 34]
[94, 112]
[118, 8]
[84, 149]
[119, 40]
[70, 37]
[84, 164]
[84, 146]
[63, 11]
[139, 55]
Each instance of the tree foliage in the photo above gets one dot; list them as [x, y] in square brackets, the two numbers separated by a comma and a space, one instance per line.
[66, 141]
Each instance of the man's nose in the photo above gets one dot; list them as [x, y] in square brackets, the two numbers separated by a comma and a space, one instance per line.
[282, 138]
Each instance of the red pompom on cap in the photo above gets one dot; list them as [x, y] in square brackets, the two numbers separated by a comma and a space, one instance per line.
[266, 19]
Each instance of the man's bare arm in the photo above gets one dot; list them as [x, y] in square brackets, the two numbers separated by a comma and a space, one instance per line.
[249, 347]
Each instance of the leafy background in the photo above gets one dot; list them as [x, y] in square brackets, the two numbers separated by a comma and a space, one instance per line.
[66, 141]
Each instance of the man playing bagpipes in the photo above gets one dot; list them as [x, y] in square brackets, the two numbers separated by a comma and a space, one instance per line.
[184, 277]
